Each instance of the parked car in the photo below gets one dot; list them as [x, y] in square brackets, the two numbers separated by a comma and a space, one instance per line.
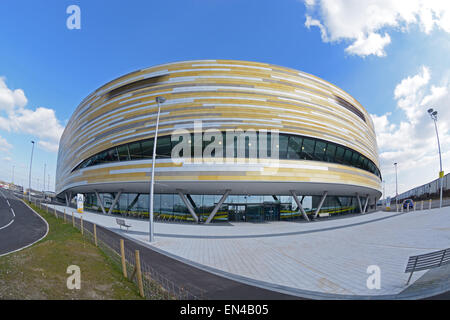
[408, 203]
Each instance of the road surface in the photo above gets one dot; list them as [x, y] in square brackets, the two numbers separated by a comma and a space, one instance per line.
[20, 227]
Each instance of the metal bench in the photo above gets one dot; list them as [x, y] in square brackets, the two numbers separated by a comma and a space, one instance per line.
[427, 261]
[121, 223]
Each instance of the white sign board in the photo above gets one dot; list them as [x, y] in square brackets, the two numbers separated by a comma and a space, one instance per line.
[80, 202]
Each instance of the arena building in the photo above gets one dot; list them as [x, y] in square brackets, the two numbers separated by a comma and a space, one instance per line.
[299, 147]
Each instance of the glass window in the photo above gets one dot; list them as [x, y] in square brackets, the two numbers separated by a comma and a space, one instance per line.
[348, 157]
[308, 149]
[284, 140]
[123, 153]
[294, 147]
[164, 147]
[319, 151]
[167, 203]
[147, 149]
[339, 154]
[100, 159]
[111, 155]
[355, 159]
[331, 150]
[135, 150]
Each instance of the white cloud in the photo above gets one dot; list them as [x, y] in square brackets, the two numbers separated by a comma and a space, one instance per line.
[365, 23]
[40, 123]
[4, 145]
[412, 142]
[371, 44]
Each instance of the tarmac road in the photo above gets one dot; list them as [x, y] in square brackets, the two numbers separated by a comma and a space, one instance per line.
[20, 226]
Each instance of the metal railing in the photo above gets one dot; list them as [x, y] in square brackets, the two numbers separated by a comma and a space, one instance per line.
[427, 261]
[152, 284]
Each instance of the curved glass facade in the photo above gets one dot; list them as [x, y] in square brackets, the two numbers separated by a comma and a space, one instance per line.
[249, 208]
[291, 147]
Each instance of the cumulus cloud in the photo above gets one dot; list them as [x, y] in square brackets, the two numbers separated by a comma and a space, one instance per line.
[40, 123]
[412, 142]
[4, 145]
[364, 23]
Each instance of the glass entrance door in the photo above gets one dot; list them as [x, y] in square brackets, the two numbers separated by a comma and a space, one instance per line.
[236, 212]
[271, 212]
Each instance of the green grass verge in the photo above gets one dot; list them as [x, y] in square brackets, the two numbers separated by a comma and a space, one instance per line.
[39, 272]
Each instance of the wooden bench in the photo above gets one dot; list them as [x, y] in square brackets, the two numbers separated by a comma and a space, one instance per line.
[121, 223]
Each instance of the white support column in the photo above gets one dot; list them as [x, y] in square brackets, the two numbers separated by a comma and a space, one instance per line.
[114, 202]
[299, 204]
[99, 201]
[217, 207]
[359, 202]
[320, 204]
[365, 205]
[67, 199]
[188, 205]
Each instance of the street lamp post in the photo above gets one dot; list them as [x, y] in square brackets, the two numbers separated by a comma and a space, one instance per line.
[43, 189]
[29, 176]
[396, 188]
[433, 115]
[159, 101]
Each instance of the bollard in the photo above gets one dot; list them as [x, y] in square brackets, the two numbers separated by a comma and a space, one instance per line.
[95, 235]
[65, 215]
[429, 206]
[81, 224]
[414, 206]
[47, 208]
[56, 216]
[139, 273]
[73, 220]
[122, 253]
[421, 206]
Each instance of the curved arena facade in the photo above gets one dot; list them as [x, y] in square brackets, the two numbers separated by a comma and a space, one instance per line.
[253, 142]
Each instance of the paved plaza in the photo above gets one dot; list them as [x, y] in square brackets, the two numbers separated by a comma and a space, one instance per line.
[318, 260]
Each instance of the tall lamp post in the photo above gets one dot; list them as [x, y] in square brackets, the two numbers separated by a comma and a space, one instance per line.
[159, 101]
[396, 188]
[29, 176]
[433, 115]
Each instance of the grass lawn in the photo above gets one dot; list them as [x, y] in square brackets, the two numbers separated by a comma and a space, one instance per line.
[39, 272]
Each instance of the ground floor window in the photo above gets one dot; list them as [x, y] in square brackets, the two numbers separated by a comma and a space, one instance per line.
[244, 208]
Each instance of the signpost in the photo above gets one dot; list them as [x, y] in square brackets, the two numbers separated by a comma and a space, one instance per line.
[80, 202]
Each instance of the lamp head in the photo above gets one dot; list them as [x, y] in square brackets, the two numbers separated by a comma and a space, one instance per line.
[160, 99]
[434, 113]
[430, 110]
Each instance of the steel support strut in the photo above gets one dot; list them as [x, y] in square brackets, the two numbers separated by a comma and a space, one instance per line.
[114, 202]
[188, 205]
[320, 204]
[359, 202]
[217, 207]
[367, 202]
[100, 202]
[299, 205]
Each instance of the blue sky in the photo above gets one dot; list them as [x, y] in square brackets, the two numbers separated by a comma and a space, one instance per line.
[56, 67]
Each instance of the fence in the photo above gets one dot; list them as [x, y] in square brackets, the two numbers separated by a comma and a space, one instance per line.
[428, 189]
[152, 284]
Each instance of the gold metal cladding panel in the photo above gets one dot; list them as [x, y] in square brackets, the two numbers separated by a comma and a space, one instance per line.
[314, 171]
[233, 94]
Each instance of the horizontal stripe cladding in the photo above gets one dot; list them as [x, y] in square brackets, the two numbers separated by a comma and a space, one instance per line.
[250, 172]
[222, 94]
